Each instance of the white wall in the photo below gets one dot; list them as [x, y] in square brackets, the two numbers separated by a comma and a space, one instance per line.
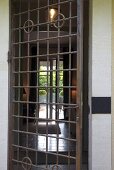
[101, 142]
[100, 136]
[101, 48]
[4, 39]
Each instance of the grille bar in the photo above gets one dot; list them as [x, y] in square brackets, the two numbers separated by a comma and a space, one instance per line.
[49, 38]
[41, 24]
[39, 56]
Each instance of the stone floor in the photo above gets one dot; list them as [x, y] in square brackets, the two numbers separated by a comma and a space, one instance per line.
[38, 144]
[54, 149]
[61, 167]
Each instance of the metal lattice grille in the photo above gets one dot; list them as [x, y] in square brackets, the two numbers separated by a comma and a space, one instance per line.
[45, 86]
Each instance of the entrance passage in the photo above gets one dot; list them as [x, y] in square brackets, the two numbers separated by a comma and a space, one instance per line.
[46, 85]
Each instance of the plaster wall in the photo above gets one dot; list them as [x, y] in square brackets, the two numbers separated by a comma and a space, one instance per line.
[100, 134]
[112, 104]
[4, 39]
[101, 48]
[101, 142]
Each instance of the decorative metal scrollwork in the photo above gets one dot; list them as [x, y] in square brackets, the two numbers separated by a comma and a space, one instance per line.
[26, 163]
[56, 167]
[60, 15]
[28, 26]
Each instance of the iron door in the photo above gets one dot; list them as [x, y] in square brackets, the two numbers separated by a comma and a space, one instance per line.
[46, 66]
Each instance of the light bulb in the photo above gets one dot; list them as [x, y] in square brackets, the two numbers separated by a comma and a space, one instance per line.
[52, 14]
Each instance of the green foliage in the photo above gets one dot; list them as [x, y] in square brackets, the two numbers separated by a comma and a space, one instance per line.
[42, 92]
[61, 93]
[44, 81]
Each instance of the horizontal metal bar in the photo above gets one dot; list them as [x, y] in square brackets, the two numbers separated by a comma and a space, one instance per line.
[71, 107]
[41, 24]
[47, 103]
[51, 153]
[45, 120]
[45, 135]
[43, 7]
[46, 87]
[45, 39]
[46, 55]
[43, 71]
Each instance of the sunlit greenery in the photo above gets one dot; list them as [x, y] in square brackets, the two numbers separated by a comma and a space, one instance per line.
[44, 78]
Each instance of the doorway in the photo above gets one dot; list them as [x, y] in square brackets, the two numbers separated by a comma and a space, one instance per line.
[52, 93]
[47, 85]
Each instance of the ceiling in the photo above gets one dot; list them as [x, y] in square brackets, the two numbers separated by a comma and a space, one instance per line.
[67, 8]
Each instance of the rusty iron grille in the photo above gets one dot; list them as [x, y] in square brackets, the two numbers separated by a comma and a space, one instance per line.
[46, 85]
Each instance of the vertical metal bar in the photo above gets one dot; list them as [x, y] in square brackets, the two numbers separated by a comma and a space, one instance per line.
[51, 89]
[70, 110]
[19, 83]
[58, 72]
[79, 81]
[56, 83]
[47, 105]
[28, 78]
[37, 95]
[13, 77]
